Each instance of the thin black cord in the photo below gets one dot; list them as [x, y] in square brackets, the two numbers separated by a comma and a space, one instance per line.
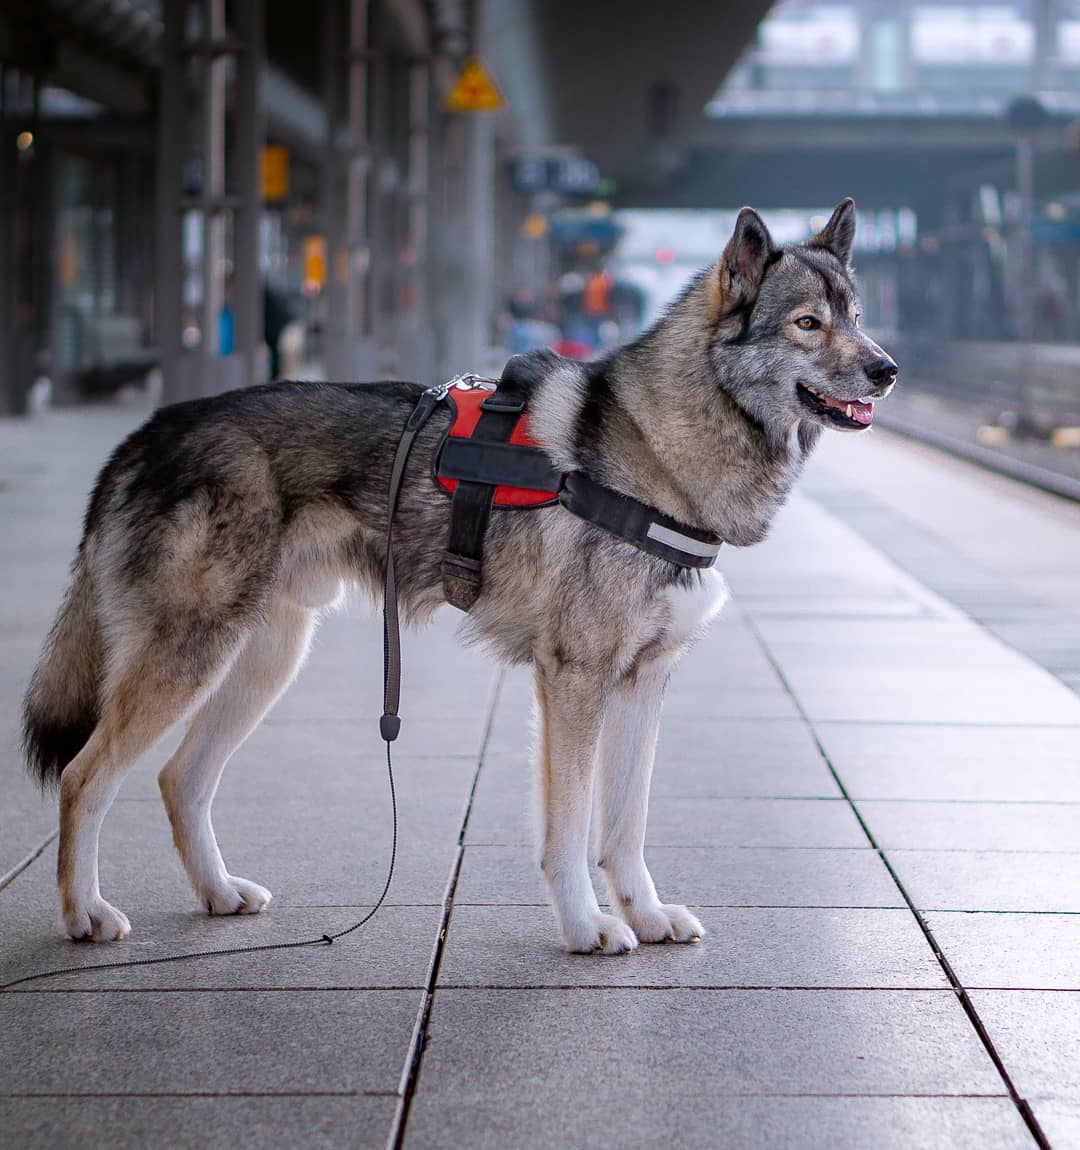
[322, 940]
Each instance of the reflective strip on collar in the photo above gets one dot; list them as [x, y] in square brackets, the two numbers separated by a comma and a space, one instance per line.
[680, 542]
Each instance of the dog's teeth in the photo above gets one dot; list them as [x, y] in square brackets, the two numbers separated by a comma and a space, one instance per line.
[849, 411]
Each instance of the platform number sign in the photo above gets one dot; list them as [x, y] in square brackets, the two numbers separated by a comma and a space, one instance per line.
[567, 175]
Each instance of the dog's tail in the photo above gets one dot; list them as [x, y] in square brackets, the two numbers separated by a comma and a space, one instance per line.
[62, 703]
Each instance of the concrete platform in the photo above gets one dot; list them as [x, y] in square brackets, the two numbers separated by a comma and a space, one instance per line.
[868, 793]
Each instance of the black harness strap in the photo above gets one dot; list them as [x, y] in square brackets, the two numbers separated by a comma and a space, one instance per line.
[470, 510]
[646, 528]
[515, 464]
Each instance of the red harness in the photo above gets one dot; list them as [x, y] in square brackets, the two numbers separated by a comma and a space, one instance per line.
[466, 400]
[488, 458]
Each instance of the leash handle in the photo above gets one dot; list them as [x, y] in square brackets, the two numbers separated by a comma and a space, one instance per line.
[390, 721]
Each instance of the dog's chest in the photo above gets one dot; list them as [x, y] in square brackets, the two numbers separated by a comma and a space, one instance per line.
[693, 608]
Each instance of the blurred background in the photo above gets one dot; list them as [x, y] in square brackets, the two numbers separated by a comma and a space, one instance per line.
[201, 194]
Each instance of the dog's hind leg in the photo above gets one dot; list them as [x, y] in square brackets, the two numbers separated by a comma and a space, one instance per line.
[570, 704]
[138, 708]
[627, 750]
[189, 781]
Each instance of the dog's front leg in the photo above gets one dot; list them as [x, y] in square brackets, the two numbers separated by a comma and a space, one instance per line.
[570, 702]
[627, 750]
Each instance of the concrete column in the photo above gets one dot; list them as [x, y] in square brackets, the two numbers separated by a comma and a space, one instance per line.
[172, 125]
[247, 299]
[418, 349]
[189, 373]
[10, 393]
[357, 302]
[212, 109]
[346, 196]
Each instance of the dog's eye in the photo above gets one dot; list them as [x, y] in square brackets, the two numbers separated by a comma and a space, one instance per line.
[808, 322]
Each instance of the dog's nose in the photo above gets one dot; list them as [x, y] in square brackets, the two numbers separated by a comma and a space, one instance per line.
[881, 371]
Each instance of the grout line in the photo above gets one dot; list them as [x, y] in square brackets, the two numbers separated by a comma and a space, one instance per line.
[391, 1094]
[777, 987]
[410, 1073]
[8, 878]
[203, 1094]
[1022, 1105]
[196, 989]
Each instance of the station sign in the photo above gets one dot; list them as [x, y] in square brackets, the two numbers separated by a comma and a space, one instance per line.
[567, 175]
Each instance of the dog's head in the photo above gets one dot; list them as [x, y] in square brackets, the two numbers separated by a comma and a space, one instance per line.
[787, 343]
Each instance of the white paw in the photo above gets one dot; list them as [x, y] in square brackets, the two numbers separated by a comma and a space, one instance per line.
[664, 922]
[97, 921]
[600, 932]
[236, 896]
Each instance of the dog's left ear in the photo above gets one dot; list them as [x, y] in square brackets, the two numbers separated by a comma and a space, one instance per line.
[742, 266]
[838, 235]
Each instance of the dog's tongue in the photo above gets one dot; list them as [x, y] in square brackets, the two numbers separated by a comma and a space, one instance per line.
[853, 409]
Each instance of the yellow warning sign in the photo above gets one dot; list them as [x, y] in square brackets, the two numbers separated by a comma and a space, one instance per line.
[474, 90]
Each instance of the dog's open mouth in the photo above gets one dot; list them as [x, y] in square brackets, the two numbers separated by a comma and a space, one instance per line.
[850, 413]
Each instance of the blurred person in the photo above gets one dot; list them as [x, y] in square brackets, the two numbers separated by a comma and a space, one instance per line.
[277, 315]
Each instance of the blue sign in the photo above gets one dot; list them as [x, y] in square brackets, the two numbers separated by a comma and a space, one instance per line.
[567, 175]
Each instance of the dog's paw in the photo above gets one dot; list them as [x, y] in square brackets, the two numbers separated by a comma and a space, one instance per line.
[236, 896]
[600, 933]
[664, 922]
[97, 921]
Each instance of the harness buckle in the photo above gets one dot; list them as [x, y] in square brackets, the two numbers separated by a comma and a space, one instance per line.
[504, 404]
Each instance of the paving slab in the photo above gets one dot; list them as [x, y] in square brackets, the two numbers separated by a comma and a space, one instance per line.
[504, 816]
[703, 876]
[974, 826]
[161, 1042]
[747, 758]
[665, 1112]
[1060, 1121]
[794, 947]
[987, 699]
[1035, 1032]
[321, 854]
[710, 758]
[216, 1123]
[990, 880]
[943, 762]
[884, 645]
[507, 1042]
[1034, 951]
[393, 950]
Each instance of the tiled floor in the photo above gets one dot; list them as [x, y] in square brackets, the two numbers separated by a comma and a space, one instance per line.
[848, 763]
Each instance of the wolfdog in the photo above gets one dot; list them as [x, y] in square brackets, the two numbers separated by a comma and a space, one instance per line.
[218, 532]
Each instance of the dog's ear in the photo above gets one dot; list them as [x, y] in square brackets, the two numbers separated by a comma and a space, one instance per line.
[742, 266]
[838, 235]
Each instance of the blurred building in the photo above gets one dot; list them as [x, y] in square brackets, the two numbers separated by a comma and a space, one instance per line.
[173, 171]
[178, 178]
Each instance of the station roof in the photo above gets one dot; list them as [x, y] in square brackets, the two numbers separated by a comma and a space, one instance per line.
[625, 81]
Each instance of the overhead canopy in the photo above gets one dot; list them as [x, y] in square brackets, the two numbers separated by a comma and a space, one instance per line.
[626, 81]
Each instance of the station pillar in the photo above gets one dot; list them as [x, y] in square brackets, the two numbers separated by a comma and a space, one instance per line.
[209, 300]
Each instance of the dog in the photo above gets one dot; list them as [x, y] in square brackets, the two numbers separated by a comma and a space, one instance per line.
[218, 533]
